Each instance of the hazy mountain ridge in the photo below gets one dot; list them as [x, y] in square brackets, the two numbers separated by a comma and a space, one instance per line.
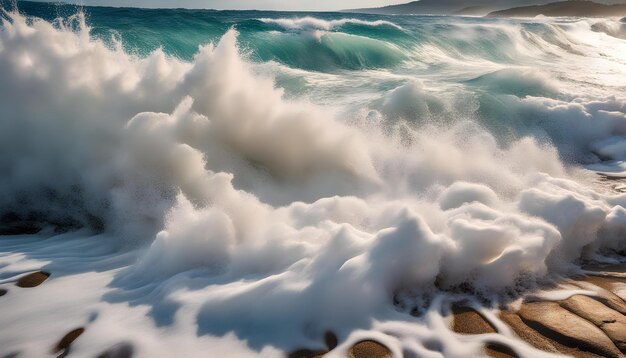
[474, 11]
[463, 7]
[580, 8]
[444, 6]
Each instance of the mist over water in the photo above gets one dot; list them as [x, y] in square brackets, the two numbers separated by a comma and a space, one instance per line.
[238, 183]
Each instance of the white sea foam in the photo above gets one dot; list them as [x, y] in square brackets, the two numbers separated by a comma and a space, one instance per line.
[312, 23]
[613, 28]
[236, 222]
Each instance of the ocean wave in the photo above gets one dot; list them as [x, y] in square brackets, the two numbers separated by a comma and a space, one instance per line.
[311, 23]
[174, 169]
[611, 28]
[519, 82]
[330, 51]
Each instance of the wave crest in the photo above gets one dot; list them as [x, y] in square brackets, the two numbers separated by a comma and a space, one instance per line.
[311, 23]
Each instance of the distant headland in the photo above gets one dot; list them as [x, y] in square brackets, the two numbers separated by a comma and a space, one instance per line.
[511, 8]
[578, 8]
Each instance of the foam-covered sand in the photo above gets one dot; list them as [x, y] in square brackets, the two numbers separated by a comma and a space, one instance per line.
[188, 208]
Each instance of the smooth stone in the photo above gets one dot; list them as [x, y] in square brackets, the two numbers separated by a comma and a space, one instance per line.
[554, 321]
[610, 277]
[3, 292]
[540, 342]
[33, 279]
[528, 334]
[611, 300]
[608, 283]
[469, 321]
[369, 349]
[609, 321]
[67, 340]
[331, 340]
[499, 351]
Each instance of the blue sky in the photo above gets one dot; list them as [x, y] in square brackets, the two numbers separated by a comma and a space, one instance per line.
[247, 4]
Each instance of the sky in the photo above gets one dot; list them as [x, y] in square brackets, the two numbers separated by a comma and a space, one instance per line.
[247, 4]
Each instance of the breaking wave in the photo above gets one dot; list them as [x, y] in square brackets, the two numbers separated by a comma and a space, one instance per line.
[311, 23]
[255, 222]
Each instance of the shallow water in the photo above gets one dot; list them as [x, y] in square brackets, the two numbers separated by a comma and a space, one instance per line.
[238, 183]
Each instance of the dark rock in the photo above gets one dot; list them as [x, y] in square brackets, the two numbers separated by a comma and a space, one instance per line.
[3, 292]
[331, 340]
[32, 280]
[67, 340]
[497, 350]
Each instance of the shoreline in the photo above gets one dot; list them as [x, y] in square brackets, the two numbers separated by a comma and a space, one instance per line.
[586, 324]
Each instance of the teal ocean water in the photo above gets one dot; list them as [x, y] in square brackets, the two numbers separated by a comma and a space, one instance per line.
[347, 41]
[239, 183]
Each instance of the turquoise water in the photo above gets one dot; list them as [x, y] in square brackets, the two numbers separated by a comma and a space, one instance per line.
[179, 32]
[445, 49]
[351, 45]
